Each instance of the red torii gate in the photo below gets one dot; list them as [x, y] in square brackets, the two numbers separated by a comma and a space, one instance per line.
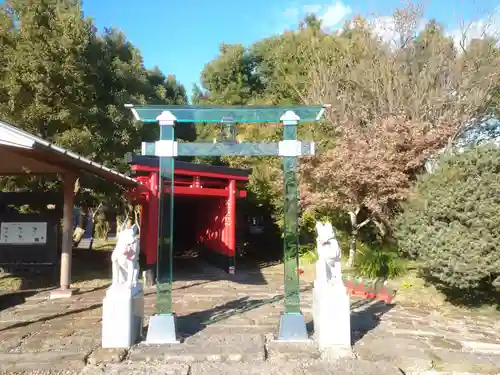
[213, 216]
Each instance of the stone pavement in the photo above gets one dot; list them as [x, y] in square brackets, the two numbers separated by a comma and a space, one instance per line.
[228, 323]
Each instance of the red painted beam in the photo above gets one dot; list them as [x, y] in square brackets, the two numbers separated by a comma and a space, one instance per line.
[144, 180]
[204, 192]
[184, 172]
[140, 195]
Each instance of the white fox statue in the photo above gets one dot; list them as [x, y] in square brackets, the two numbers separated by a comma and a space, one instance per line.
[125, 256]
[328, 266]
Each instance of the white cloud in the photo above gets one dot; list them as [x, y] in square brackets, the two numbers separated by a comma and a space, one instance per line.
[477, 29]
[334, 13]
[385, 27]
[331, 14]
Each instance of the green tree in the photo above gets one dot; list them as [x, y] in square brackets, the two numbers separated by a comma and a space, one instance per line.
[451, 222]
[116, 76]
[43, 75]
[229, 78]
[64, 81]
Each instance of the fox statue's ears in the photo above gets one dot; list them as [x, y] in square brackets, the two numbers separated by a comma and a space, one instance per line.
[319, 224]
[326, 229]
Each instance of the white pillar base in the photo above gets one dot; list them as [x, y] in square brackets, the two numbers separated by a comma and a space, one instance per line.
[61, 293]
[332, 318]
[122, 316]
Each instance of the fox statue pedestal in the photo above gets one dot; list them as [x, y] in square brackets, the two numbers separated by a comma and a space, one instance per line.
[332, 318]
[122, 316]
[331, 305]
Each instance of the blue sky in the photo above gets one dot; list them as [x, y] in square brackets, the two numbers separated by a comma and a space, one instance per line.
[181, 36]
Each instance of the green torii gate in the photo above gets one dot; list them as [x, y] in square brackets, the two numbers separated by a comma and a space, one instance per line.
[162, 325]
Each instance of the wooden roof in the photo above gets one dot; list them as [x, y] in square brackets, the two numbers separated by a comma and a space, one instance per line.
[25, 153]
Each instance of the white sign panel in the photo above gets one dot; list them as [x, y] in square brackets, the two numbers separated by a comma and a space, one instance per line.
[23, 233]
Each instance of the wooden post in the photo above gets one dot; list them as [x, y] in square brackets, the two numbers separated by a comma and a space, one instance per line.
[67, 238]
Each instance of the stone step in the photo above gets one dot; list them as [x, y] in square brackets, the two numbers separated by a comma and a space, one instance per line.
[217, 329]
[137, 369]
[300, 351]
[201, 347]
[341, 367]
[246, 369]
[41, 361]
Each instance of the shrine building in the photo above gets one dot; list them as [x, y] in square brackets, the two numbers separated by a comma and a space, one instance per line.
[204, 207]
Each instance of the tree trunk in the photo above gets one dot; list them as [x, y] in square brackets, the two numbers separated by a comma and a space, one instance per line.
[354, 234]
[91, 243]
[81, 227]
[381, 228]
[92, 234]
[352, 248]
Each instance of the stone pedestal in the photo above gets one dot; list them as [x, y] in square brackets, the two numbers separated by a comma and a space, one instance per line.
[332, 318]
[293, 328]
[122, 316]
[162, 329]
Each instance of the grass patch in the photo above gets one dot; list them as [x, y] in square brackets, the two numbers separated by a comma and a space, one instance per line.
[90, 269]
[411, 289]
[414, 290]
[10, 283]
[27, 280]
[103, 245]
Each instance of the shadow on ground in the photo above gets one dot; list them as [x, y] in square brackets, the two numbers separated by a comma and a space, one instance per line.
[367, 317]
[91, 270]
[51, 317]
[195, 322]
[484, 295]
[9, 300]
